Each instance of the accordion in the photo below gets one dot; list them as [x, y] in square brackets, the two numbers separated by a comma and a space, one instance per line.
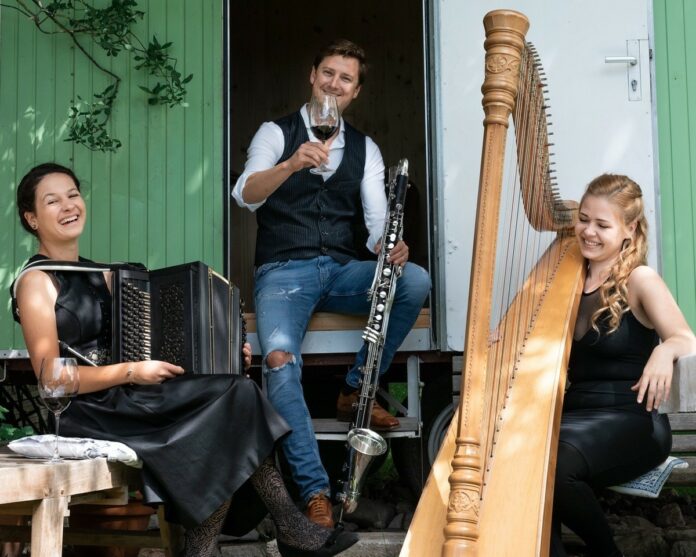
[187, 315]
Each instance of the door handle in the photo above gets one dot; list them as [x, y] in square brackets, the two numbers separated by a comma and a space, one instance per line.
[632, 60]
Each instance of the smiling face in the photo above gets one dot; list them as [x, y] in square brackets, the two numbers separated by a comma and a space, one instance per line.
[601, 230]
[339, 76]
[59, 210]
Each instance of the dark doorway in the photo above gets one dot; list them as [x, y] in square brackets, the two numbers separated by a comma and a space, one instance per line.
[272, 44]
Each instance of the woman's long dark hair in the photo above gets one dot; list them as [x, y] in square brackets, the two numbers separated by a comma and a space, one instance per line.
[26, 190]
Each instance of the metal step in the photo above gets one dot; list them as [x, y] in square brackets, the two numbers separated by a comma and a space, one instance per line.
[330, 429]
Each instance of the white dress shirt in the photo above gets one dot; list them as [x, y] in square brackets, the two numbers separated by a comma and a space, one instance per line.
[268, 145]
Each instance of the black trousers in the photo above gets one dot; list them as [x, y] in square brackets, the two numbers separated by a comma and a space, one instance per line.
[599, 448]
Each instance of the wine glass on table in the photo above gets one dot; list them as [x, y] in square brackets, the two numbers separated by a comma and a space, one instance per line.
[58, 383]
[323, 121]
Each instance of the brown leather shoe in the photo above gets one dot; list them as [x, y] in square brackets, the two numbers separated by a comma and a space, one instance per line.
[380, 420]
[319, 511]
[346, 406]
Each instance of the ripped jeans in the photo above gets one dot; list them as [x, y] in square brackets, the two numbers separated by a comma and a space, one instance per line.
[287, 293]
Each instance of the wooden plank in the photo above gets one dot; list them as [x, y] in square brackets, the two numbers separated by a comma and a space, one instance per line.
[176, 141]
[683, 443]
[47, 527]
[674, 99]
[330, 425]
[324, 321]
[683, 421]
[12, 254]
[26, 479]
[192, 58]
[684, 477]
[83, 536]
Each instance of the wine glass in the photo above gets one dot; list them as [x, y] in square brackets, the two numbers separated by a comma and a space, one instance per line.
[323, 121]
[58, 383]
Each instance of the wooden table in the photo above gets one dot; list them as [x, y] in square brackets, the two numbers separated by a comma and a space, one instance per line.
[43, 491]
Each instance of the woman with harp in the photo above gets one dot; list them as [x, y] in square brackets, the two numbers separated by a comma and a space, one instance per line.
[619, 372]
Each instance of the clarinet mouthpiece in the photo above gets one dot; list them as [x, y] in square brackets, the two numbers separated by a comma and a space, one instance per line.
[402, 167]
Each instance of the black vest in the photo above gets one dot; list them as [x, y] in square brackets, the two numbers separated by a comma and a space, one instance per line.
[307, 217]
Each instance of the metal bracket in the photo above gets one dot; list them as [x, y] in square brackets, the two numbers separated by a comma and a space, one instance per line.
[633, 69]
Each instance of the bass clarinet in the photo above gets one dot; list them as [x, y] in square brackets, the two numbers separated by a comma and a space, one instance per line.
[364, 444]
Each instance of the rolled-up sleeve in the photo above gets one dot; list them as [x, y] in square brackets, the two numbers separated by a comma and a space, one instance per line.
[264, 152]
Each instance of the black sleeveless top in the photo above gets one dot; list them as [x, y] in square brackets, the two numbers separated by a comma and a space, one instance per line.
[605, 363]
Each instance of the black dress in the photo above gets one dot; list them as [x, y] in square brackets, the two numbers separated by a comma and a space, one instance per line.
[617, 437]
[200, 437]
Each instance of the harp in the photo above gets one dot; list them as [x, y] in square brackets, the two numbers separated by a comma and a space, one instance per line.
[490, 490]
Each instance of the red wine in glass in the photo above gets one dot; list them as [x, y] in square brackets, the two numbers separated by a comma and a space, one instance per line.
[324, 119]
[323, 133]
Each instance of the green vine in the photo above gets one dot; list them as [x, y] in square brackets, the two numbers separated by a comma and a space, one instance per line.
[110, 29]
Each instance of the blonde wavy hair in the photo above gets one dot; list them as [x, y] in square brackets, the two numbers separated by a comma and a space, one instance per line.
[625, 194]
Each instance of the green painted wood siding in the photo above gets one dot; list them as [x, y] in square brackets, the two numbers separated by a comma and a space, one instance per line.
[158, 200]
[675, 66]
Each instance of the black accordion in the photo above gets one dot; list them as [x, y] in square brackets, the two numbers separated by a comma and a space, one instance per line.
[187, 315]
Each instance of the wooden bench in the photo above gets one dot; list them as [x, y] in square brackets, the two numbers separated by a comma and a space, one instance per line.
[681, 408]
[324, 321]
[32, 487]
[684, 446]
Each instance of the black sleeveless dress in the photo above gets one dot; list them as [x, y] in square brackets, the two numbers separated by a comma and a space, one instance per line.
[200, 437]
[601, 418]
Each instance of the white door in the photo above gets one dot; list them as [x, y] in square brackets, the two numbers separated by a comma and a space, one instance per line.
[601, 112]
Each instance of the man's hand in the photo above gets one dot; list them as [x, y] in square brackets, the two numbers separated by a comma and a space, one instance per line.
[246, 354]
[398, 254]
[309, 154]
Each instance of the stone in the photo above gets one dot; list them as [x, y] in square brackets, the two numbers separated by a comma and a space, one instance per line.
[643, 544]
[628, 524]
[372, 514]
[678, 534]
[401, 521]
[683, 549]
[670, 516]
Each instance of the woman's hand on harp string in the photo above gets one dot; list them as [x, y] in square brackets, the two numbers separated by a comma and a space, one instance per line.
[398, 254]
[152, 372]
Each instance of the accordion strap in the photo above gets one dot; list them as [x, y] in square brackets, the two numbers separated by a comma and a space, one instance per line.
[55, 265]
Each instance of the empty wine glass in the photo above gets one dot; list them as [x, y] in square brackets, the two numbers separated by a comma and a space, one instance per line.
[58, 383]
[323, 121]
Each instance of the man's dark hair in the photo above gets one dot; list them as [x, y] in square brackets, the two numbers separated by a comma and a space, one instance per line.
[344, 47]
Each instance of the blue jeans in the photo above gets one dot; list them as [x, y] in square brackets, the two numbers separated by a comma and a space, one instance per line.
[287, 293]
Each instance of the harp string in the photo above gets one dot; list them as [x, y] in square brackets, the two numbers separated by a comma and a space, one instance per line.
[521, 242]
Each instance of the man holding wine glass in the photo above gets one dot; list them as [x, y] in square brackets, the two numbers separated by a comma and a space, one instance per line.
[309, 177]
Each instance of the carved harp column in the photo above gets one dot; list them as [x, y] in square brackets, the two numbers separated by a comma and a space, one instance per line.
[505, 32]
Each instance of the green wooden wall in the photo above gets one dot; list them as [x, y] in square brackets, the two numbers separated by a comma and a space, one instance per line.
[675, 65]
[158, 200]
